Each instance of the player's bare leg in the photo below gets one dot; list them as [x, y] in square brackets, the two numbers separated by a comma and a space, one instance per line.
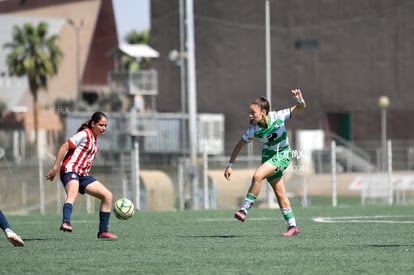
[72, 190]
[279, 189]
[265, 170]
[98, 190]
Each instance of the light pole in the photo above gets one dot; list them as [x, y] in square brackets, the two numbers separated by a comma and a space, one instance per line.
[268, 53]
[192, 98]
[77, 28]
[268, 74]
[383, 103]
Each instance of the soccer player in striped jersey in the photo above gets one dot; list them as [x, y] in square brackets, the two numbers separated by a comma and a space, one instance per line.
[269, 128]
[75, 159]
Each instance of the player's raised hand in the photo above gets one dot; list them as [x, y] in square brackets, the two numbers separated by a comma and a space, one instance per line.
[297, 94]
[300, 102]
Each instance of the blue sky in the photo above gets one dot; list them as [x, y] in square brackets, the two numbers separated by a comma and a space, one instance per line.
[131, 15]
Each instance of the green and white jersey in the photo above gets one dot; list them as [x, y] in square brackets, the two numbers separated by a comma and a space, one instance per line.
[274, 137]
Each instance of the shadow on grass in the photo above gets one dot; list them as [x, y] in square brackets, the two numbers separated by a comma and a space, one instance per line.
[213, 236]
[41, 239]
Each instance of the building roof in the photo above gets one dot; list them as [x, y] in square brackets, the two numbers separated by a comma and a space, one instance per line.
[137, 51]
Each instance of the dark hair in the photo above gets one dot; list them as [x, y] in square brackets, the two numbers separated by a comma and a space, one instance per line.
[263, 103]
[96, 117]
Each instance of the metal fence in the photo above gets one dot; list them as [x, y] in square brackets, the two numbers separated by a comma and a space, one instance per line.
[20, 191]
[142, 82]
[160, 133]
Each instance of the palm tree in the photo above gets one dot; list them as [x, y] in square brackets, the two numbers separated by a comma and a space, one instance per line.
[135, 37]
[130, 64]
[35, 55]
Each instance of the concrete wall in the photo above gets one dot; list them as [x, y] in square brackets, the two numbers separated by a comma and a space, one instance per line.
[159, 190]
[343, 54]
[230, 194]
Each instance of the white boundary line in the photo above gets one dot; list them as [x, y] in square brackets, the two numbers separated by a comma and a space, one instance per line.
[365, 219]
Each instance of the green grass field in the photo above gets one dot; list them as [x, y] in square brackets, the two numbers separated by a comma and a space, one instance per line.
[357, 240]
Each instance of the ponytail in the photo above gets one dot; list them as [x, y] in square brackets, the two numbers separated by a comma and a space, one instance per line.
[84, 125]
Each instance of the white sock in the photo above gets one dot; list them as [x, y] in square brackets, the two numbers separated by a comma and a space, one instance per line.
[289, 216]
[248, 202]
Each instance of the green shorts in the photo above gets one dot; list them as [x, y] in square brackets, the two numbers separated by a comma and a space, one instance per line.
[280, 159]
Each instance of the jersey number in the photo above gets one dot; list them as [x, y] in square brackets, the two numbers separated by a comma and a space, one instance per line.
[272, 137]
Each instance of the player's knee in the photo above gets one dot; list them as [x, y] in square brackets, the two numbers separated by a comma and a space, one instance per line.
[105, 195]
[257, 179]
[71, 196]
[109, 196]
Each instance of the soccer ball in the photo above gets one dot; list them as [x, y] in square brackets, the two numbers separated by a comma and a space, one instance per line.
[124, 209]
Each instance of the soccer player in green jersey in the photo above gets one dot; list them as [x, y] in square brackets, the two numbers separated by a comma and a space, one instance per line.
[269, 128]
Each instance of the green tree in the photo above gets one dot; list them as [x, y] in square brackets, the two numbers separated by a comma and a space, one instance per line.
[36, 55]
[135, 37]
[129, 63]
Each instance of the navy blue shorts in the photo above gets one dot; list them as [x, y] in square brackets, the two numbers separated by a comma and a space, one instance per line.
[83, 180]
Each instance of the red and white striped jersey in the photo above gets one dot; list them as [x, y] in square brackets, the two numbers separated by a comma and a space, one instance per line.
[82, 151]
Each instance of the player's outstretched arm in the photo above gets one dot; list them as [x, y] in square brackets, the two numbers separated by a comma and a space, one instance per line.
[300, 102]
[234, 154]
[59, 157]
